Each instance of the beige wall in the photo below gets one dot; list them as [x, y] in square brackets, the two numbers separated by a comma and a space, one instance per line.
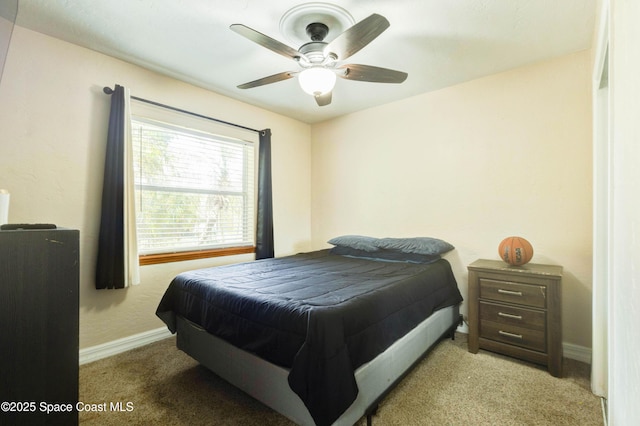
[509, 154]
[53, 118]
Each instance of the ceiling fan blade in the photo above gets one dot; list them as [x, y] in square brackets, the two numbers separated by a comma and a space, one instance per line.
[323, 100]
[268, 80]
[266, 41]
[357, 37]
[371, 74]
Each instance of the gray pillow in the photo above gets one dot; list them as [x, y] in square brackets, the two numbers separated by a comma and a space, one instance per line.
[385, 255]
[419, 245]
[357, 242]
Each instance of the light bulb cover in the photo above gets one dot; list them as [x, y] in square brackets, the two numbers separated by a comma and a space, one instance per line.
[317, 81]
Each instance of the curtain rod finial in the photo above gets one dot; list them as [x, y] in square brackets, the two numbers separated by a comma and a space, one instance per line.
[107, 90]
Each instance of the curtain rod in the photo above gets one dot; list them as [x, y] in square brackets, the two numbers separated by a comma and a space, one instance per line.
[109, 90]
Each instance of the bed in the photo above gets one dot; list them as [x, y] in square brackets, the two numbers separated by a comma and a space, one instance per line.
[320, 337]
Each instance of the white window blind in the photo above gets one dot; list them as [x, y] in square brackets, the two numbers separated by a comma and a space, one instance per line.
[194, 189]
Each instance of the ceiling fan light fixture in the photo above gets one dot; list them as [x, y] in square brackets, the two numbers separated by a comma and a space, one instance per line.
[318, 59]
[317, 81]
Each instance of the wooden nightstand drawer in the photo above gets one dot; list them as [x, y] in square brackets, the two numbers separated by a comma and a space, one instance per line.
[512, 292]
[513, 315]
[513, 335]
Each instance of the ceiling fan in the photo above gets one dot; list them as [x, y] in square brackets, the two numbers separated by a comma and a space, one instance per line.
[319, 59]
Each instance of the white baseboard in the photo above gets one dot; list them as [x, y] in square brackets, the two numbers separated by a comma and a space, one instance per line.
[464, 328]
[579, 353]
[115, 347]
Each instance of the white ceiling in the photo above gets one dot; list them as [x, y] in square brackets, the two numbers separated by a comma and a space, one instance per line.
[437, 42]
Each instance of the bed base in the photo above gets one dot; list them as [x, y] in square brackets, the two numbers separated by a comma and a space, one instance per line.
[373, 408]
[268, 383]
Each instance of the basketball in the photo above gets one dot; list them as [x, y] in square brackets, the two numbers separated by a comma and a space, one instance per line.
[515, 251]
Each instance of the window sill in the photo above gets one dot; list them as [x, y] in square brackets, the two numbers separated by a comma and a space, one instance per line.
[153, 259]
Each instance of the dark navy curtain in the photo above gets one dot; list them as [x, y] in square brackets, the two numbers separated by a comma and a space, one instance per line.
[110, 266]
[264, 226]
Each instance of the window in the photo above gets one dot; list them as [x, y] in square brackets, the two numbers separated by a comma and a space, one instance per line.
[194, 191]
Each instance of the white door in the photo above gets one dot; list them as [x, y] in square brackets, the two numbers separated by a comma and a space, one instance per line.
[601, 211]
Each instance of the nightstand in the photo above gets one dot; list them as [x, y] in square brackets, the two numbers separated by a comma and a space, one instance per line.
[516, 311]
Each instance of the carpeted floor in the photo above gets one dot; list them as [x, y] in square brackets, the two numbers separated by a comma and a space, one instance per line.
[160, 385]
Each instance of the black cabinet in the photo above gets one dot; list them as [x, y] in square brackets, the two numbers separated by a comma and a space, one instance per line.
[39, 280]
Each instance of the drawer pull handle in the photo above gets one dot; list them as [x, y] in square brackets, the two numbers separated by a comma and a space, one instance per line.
[502, 314]
[506, 333]
[510, 292]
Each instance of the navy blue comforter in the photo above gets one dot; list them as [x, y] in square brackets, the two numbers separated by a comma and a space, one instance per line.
[318, 314]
